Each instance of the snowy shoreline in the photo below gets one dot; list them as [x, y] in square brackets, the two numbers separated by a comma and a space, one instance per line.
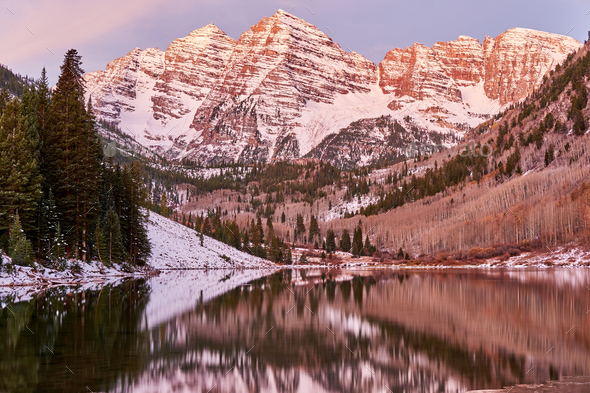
[174, 247]
[40, 276]
[93, 272]
[178, 248]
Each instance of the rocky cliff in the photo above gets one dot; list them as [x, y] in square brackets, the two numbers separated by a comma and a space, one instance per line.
[284, 87]
[506, 68]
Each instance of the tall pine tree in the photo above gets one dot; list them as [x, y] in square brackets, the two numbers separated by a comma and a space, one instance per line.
[20, 182]
[114, 250]
[345, 241]
[72, 155]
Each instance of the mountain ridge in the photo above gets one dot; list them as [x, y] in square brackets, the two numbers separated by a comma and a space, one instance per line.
[284, 86]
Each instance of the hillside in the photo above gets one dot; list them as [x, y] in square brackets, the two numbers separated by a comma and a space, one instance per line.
[531, 189]
[284, 88]
[528, 192]
[175, 246]
[13, 83]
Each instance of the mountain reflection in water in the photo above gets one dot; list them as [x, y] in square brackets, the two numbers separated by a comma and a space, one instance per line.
[303, 330]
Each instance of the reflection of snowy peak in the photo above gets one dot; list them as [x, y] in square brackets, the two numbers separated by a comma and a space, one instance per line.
[284, 86]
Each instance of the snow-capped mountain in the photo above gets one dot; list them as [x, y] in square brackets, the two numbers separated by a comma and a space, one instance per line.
[284, 86]
[501, 71]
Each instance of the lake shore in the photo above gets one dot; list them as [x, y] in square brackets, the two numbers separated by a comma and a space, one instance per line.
[564, 385]
[80, 273]
[563, 256]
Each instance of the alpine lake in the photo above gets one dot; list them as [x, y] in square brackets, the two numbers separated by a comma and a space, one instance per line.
[301, 330]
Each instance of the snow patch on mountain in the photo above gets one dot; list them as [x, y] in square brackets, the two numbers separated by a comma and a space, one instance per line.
[285, 85]
[342, 207]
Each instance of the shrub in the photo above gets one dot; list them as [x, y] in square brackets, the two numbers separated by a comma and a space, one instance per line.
[482, 253]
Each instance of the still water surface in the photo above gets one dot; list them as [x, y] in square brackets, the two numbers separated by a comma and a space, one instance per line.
[301, 331]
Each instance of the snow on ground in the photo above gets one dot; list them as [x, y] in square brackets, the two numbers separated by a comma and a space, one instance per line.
[476, 99]
[205, 173]
[321, 119]
[73, 271]
[175, 246]
[559, 256]
[20, 283]
[174, 292]
[339, 209]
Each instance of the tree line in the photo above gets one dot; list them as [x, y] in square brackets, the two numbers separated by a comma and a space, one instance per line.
[59, 197]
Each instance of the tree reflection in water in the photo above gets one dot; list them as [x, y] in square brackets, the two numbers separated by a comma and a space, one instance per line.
[301, 331]
[77, 340]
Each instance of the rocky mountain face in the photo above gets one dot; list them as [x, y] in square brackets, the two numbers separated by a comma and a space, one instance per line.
[381, 140]
[506, 68]
[284, 87]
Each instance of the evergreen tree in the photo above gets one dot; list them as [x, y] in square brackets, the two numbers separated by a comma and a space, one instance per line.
[368, 246]
[48, 224]
[330, 241]
[580, 124]
[356, 251]
[260, 230]
[345, 241]
[87, 173]
[512, 161]
[300, 225]
[283, 218]
[71, 155]
[357, 241]
[100, 244]
[269, 227]
[4, 98]
[549, 155]
[56, 252]
[246, 237]
[135, 235]
[19, 248]
[201, 238]
[234, 235]
[164, 205]
[257, 248]
[20, 182]
[206, 227]
[314, 228]
[115, 252]
[275, 250]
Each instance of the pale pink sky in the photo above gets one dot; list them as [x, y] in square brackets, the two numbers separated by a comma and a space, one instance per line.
[37, 33]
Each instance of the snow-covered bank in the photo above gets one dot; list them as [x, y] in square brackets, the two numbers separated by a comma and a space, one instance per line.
[563, 385]
[73, 272]
[20, 283]
[562, 256]
[175, 246]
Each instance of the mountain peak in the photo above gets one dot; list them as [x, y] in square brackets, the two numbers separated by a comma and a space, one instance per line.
[521, 31]
[290, 19]
[285, 85]
[281, 12]
[210, 29]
